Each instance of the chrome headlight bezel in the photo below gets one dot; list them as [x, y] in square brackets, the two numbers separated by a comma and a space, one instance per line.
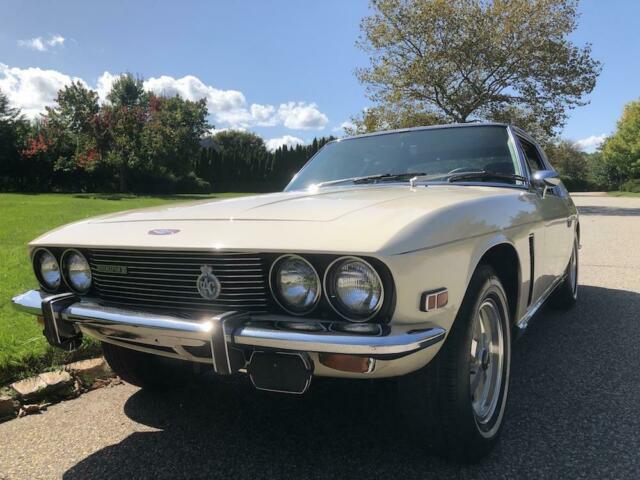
[337, 304]
[37, 270]
[275, 291]
[67, 275]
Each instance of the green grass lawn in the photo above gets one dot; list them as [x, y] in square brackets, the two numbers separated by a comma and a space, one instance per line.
[624, 194]
[23, 349]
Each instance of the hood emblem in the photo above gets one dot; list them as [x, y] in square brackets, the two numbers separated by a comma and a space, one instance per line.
[208, 284]
[163, 231]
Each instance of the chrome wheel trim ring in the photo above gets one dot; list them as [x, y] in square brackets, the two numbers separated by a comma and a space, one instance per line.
[486, 364]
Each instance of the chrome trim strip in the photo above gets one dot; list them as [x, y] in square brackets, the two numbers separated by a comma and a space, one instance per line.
[169, 331]
[524, 320]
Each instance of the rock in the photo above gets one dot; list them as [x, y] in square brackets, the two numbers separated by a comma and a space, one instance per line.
[7, 407]
[56, 380]
[46, 384]
[30, 388]
[88, 371]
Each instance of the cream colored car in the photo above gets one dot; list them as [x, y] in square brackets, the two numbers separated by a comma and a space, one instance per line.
[416, 254]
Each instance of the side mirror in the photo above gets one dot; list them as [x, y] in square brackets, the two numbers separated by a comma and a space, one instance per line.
[546, 179]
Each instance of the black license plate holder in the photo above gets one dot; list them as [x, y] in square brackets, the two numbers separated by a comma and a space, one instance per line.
[282, 372]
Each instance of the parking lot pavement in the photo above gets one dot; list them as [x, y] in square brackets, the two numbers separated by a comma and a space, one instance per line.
[573, 411]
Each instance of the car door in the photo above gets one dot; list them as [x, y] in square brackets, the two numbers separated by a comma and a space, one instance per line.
[558, 235]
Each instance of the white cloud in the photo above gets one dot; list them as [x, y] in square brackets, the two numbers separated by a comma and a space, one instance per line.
[288, 140]
[344, 126]
[42, 45]
[105, 82]
[302, 116]
[590, 144]
[32, 89]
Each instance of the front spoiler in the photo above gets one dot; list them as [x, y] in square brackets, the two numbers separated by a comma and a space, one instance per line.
[177, 337]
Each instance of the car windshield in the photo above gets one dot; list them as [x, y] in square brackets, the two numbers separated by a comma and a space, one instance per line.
[481, 153]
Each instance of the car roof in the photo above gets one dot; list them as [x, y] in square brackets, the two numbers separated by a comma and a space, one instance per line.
[434, 127]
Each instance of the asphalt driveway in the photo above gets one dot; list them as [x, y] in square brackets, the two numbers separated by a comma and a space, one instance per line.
[574, 410]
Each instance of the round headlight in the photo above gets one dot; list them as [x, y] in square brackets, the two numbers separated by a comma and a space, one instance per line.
[77, 272]
[295, 284]
[354, 289]
[47, 269]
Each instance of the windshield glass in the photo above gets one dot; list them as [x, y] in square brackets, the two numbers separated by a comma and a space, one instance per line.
[437, 153]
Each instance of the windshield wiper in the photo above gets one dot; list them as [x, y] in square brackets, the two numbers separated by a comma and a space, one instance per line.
[373, 178]
[483, 174]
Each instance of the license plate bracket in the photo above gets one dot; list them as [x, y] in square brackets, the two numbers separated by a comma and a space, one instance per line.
[58, 333]
[282, 372]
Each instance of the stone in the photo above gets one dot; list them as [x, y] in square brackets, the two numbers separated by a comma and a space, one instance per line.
[56, 380]
[7, 407]
[30, 388]
[88, 371]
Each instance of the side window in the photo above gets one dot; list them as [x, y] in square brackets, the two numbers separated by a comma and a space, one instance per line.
[532, 156]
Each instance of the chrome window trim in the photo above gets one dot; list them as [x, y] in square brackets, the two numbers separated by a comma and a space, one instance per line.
[275, 295]
[330, 302]
[63, 271]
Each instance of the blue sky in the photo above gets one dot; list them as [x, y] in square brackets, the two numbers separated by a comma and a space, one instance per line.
[279, 68]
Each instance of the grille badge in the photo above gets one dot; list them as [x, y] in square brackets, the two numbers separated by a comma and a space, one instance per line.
[120, 269]
[208, 284]
[163, 231]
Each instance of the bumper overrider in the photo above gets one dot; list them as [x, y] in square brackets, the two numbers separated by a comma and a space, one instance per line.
[229, 341]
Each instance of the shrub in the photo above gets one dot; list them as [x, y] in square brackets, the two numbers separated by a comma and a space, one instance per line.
[632, 185]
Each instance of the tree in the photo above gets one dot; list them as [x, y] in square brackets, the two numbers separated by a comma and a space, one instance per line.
[125, 117]
[13, 133]
[621, 151]
[571, 163]
[460, 60]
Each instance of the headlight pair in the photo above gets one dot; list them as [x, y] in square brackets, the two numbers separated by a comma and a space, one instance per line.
[75, 270]
[352, 287]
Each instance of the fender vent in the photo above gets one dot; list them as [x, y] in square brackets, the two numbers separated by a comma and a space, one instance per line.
[532, 263]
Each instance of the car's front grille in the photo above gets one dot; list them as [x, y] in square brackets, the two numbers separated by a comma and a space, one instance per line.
[168, 279]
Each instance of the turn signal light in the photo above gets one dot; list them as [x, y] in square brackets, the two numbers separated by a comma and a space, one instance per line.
[347, 363]
[434, 299]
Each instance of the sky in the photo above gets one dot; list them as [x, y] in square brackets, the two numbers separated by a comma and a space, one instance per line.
[283, 69]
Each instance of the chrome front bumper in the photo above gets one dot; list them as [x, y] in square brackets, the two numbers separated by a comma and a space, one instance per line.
[211, 339]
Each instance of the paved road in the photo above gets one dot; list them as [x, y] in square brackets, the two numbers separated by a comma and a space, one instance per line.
[574, 410]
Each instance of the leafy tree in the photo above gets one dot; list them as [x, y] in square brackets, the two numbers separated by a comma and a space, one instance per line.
[13, 132]
[459, 60]
[571, 163]
[127, 91]
[173, 132]
[125, 118]
[621, 151]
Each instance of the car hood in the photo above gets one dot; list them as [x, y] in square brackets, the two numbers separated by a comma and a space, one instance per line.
[363, 219]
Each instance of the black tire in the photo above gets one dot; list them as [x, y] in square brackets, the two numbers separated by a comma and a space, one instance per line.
[566, 293]
[437, 399]
[151, 372]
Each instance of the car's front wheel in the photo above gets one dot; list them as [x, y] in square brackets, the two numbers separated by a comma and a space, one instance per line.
[460, 397]
[151, 372]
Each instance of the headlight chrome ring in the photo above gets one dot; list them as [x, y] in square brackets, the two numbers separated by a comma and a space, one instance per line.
[338, 304]
[76, 271]
[50, 279]
[306, 292]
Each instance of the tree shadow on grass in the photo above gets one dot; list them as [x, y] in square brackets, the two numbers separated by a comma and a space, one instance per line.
[127, 196]
[573, 412]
